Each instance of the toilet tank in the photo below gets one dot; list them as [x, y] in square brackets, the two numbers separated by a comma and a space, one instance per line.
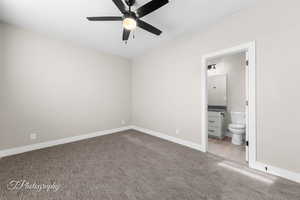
[238, 117]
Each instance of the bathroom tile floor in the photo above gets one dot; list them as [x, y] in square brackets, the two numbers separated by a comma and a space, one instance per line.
[224, 148]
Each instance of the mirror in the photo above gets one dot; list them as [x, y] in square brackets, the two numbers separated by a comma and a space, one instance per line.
[217, 90]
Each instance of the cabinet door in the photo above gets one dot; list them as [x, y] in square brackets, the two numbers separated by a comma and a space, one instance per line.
[215, 132]
[214, 121]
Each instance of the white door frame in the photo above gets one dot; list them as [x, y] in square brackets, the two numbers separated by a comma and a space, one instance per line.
[251, 118]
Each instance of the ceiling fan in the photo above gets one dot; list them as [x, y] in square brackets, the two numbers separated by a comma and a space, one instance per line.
[132, 19]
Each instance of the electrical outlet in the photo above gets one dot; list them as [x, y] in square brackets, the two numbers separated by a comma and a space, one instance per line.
[33, 136]
[177, 131]
[123, 122]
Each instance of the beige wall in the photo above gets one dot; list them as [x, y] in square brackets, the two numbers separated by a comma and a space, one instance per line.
[57, 90]
[166, 82]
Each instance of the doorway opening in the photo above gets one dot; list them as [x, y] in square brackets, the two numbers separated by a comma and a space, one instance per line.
[228, 91]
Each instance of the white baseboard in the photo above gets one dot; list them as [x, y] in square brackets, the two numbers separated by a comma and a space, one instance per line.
[22, 149]
[258, 166]
[170, 138]
[293, 176]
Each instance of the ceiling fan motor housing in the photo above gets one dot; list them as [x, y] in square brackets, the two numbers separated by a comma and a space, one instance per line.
[130, 15]
[130, 2]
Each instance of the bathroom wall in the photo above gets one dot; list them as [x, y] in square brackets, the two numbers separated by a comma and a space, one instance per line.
[234, 66]
[57, 90]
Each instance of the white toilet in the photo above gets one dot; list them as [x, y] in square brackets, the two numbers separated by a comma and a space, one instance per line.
[237, 127]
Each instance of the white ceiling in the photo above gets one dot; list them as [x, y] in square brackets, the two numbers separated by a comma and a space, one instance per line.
[66, 19]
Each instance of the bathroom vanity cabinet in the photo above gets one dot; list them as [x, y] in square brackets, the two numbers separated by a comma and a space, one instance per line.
[216, 125]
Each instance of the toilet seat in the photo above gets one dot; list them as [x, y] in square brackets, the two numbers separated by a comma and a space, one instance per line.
[237, 126]
[237, 131]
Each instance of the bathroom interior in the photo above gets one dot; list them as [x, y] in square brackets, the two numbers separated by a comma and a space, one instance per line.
[227, 107]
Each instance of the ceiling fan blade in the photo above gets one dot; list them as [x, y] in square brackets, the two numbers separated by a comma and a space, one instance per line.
[120, 5]
[126, 34]
[108, 18]
[150, 7]
[148, 27]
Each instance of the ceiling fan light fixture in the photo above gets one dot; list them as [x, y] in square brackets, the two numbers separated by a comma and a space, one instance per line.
[132, 19]
[129, 23]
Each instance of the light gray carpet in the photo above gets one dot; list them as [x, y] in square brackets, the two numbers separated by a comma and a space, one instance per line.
[135, 166]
